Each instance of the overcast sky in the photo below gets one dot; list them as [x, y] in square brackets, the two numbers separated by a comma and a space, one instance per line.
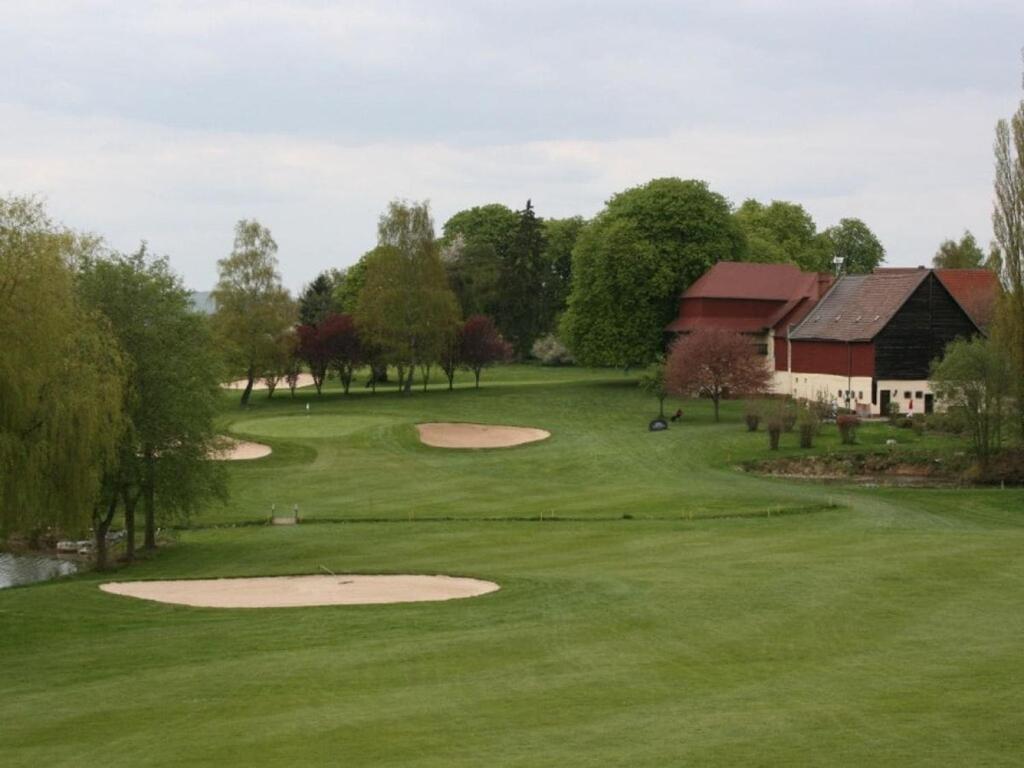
[169, 121]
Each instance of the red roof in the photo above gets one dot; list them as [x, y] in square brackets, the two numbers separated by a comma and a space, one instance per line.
[776, 294]
[976, 290]
[739, 280]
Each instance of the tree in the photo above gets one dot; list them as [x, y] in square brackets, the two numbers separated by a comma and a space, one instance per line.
[854, 246]
[653, 382]
[560, 236]
[406, 308]
[451, 356]
[495, 225]
[1008, 225]
[312, 349]
[347, 285]
[633, 261]
[474, 274]
[253, 309]
[782, 232]
[716, 363]
[521, 298]
[317, 299]
[343, 347]
[959, 255]
[973, 380]
[62, 379]
[616, 306]
[481, 345]
[173, 389]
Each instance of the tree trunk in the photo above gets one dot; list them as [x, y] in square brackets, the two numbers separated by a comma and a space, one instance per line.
[129, 525]
[251, 377]
[149, 500]
[715, 401]
[101, 524]
[476, 373]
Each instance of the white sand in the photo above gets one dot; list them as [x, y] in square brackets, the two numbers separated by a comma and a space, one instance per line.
[305, 380]
[240, 450]
[294, 591]
[442, 434]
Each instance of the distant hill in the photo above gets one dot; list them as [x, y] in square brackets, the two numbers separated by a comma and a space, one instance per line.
[203, 302]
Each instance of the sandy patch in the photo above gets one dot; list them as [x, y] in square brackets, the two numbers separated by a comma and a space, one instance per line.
[295, 591]
[240, 450]
[442, 434]
[305, 380]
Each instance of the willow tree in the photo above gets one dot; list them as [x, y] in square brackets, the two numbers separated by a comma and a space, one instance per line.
[1008, 226]
[253, 308]
[173, 388]
[406, 307]
[61, 379]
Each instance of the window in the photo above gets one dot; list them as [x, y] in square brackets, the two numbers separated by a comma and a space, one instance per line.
[860, 395]
[906, 395]
[762, 349]
[919, 395]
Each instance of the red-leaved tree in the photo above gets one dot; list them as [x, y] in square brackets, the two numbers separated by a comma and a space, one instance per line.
[344, 349]
[714, 363]
[313, 351]
[481, 345]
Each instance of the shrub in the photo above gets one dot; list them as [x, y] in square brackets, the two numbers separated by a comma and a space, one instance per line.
[894, 415]
[809, 422]
[551, 351]
[752, 415]
[848, 428]
[789, 416]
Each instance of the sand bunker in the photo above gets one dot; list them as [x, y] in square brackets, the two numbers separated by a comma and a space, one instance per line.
[442, 434]
[305, 380]
[295, 591]
[240, 450]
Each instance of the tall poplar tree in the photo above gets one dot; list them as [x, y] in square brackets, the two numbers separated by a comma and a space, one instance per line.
[1008, 226]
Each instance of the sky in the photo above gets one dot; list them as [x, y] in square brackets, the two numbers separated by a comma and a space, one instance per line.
[169, 121]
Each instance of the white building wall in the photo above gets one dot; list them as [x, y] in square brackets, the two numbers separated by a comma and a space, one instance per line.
[908, 395]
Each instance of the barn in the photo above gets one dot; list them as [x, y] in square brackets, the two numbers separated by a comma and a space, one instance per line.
[759, 300]
[871, 340]
[862, 341]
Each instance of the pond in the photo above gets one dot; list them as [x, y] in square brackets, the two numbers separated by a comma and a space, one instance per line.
[16, 570]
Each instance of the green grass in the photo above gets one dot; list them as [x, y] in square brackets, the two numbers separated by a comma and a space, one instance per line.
[729, 620]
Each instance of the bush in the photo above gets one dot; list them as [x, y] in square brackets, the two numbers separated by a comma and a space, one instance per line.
[848, 428]
[894, 415]
[789, 417]
[809, 422]
[752, 415]
[551, 351]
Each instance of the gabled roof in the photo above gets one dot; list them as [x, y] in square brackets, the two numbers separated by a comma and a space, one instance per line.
[741, 280]
[976, 290]
[859, 306]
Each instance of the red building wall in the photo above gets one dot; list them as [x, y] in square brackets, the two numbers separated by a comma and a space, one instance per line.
[835, 357]
[745, 308]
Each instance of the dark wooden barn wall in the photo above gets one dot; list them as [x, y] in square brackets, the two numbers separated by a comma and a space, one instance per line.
[919, 331]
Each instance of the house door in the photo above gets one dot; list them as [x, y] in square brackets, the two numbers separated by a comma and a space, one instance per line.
[883, 402]
[929, 402]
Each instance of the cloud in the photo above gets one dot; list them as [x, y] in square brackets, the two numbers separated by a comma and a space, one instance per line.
[170, 121]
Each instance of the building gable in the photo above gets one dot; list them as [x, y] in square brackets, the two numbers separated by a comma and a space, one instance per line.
[919, 331]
